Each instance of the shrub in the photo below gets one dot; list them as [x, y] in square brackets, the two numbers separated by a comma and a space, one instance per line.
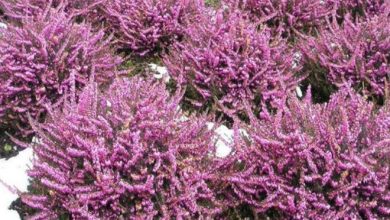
[288, 16]
[312, 161]
[39, 61]
[126, 153]
[227, 58]
[33, 9]
[352, 53]
[148, 27]
[364, 8]
[307, 16]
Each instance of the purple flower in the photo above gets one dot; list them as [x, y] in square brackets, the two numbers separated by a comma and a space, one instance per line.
[40, 60]
[312, 160]
[148, 27]
[289, 15]
[226, 57]
[352, 53]
[122, 154]
[364, 8]
[17, 10]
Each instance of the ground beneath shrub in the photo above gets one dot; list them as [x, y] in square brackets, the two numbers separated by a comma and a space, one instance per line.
[21, 208]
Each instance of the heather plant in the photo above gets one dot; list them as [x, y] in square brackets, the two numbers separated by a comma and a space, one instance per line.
[311, 161]
[126, 153]
[32, 9]
[288, 16]
[39, 61]
[149, 27]
[350, 53]
[226, 57]
[19, 9]
[364, 8]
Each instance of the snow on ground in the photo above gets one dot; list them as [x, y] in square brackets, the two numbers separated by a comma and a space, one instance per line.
[13, 173]
[3, 25]
[224, 137]
[299, 92]
[161, 72]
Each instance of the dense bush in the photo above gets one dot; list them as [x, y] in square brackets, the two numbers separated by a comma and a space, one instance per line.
[364, 8]
[33, 9]
[313, 161]
[123, 154]
[288, 16]
[307, 16]
[351, 53]
[110, 146]
[148, 27]
[228, 58]
[39, 61]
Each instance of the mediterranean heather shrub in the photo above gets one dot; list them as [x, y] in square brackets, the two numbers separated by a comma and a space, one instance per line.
[39, 61]
[288, 15]
[126, 153]
[313, 161]
[351, 53]
[226, 57]
[148, 27]
[19, 9]
[364, 8]
[32, 9]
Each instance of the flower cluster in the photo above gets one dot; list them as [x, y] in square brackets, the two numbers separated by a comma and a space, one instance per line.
[290, 15]
[226, 57]
[365, 8]
[148, 27]
[39, 61]
[353, 53]
[309, 161]
[126, 153]
[32, 9]
[114, 146]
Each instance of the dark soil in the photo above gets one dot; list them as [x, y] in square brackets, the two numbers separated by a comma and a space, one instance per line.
[22, 209]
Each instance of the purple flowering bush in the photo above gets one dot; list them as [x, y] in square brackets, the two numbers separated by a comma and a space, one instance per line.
[288, 16]
[126, 153]
[33, 9]
[148, 27]
[114, 146]
[39, 61]
[228, 58]
[352, 53]
[364, 8]
[19, 9]
[311, 161]
[307, 16]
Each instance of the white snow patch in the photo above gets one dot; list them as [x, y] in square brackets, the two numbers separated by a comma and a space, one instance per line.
[3, 25]
[225, 137]
[161, 72]
[13, 172]
[296, 59]
[299, 92]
